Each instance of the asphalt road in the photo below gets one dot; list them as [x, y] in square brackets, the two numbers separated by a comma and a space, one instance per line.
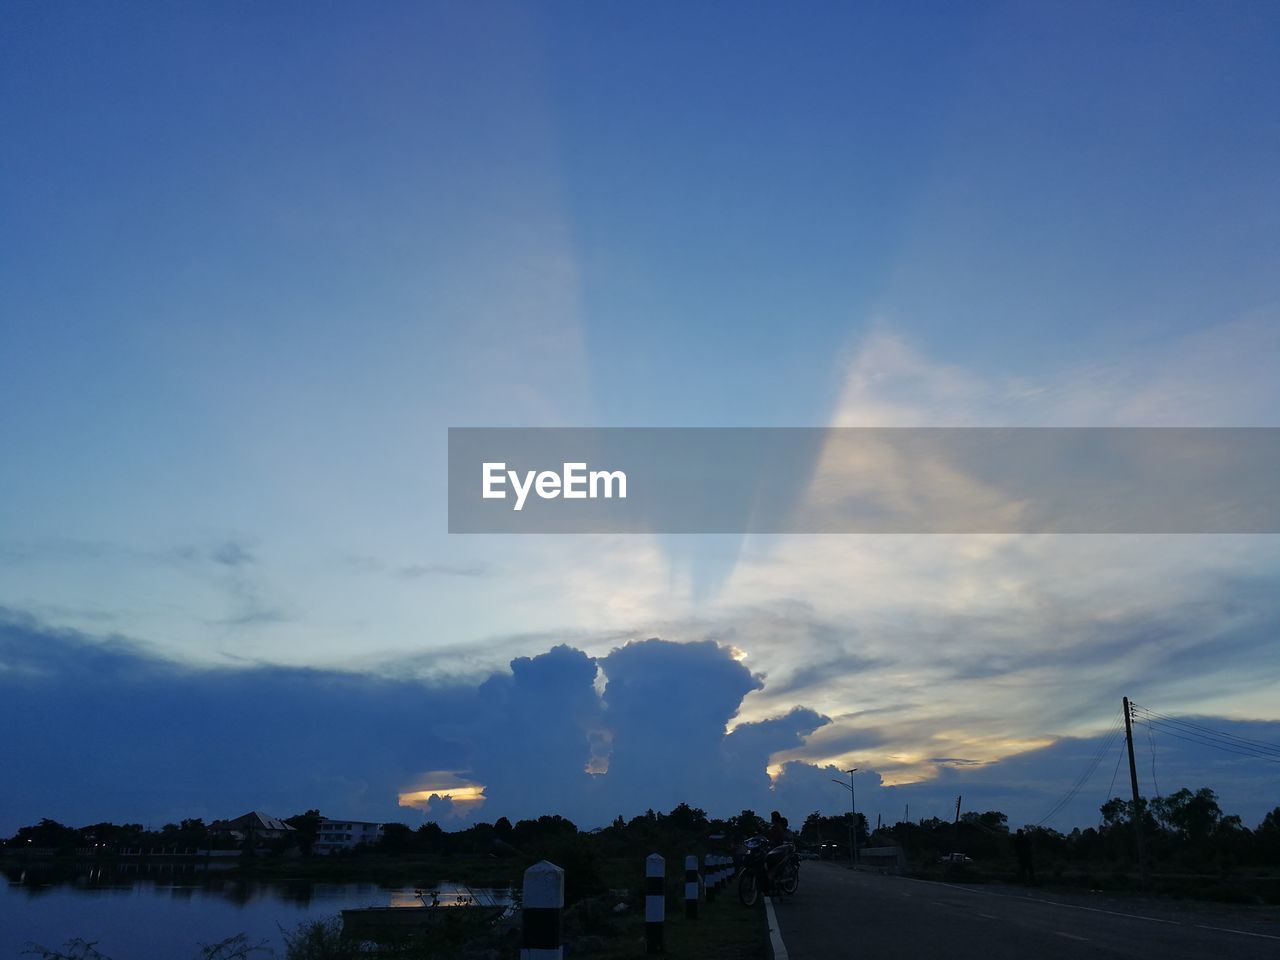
[839, 913]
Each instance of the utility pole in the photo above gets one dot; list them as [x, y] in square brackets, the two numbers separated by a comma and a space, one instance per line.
[1133, 782]
[955, 827]
[853, 817]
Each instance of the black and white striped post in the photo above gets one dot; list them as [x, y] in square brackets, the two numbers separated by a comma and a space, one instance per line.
[691, 887]
[542, 913]
[709, 875]
[655, 901]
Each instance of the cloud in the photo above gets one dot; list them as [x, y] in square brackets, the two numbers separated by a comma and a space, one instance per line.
[416, 571]
[61, 550]
[108, 712]
[160, 740]
[232, 553]
[214, 587]
[531, 738]
[1221, 374]
[444, 795]
[668, 705]
[748, 751]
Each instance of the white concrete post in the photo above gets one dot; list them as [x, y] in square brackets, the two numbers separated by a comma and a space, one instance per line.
[655, 902]
[542, 913]
[691, 887]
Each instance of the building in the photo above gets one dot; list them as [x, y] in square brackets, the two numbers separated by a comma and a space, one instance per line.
[255, 825]
[335, 835]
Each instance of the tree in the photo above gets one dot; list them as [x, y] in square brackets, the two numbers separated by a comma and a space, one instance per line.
[1268, 835]
[992, 820]
[811, 832]
[430, 837]
[687, 818]
[48, 833]
[308, 826]
[397, 839]
[1191, 816]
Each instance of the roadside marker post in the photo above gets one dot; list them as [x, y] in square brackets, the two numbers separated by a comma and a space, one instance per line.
[655, 902]
[691, 887]
[542, 915]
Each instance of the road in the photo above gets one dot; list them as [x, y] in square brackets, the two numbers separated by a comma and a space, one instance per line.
[839, 913]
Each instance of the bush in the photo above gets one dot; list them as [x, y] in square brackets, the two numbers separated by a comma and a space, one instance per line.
[321, 940]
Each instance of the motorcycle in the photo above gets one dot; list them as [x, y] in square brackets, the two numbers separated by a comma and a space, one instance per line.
[767, 870]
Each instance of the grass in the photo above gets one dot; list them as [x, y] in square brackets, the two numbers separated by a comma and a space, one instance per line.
[724, 930]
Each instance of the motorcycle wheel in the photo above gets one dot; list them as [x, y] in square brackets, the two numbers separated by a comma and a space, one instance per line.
[789, 883]
[748, 889]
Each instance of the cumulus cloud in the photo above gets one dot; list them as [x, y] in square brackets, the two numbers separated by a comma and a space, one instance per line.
[104, 711]
[668, 705]
[104, 729]
[531, 737]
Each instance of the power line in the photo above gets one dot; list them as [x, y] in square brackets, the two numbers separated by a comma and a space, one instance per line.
[1152, 740]
[1209, 736]
[1231, 739]
[1108, 739]
[1114, 773]
[1170, 732]
[1202, 741]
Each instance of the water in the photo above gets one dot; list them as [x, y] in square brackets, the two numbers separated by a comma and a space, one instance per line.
[168, 913]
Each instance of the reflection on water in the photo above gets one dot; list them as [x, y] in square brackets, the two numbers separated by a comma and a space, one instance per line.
[166, 911]
[454, 895]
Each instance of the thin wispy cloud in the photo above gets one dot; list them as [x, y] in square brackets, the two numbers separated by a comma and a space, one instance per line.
[417, 570]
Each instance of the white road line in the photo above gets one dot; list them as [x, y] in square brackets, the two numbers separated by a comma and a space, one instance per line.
[1070, 936]
[987, 916]
[775, 935]
[1243, 933]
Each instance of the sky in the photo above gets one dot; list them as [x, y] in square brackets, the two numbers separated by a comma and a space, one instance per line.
[255, 261]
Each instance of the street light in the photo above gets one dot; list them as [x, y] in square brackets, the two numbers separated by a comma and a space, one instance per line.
[853, 820]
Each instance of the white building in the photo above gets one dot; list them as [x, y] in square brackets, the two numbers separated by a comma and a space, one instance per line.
[335, 835]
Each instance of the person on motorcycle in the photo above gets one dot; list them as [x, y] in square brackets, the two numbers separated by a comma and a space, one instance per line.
[770, 863]
[780, 846]
[777, 829]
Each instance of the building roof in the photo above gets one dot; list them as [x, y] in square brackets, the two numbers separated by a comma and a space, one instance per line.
[255, 820]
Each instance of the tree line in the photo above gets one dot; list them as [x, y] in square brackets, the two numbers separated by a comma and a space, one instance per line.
[1186, 829]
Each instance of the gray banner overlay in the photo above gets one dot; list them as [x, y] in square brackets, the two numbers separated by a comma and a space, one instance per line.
[864, 480]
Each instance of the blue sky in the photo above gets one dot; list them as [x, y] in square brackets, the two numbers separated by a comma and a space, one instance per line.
[255, 261]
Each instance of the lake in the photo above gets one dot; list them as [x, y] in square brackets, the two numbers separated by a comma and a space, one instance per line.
[166, 912]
